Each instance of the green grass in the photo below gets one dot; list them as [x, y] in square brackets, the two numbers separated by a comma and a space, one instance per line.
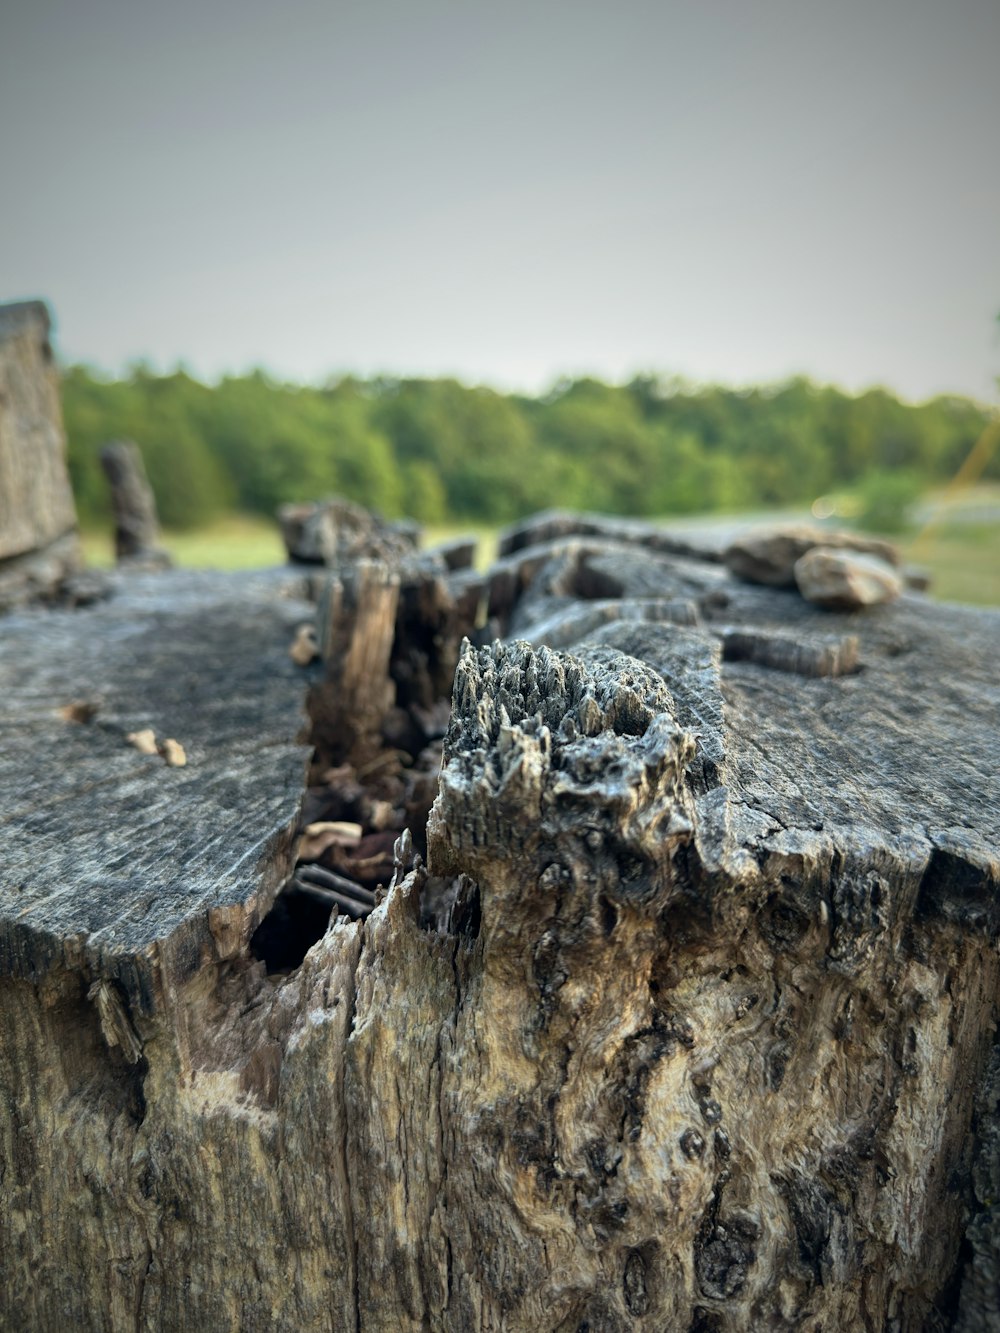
[244, 541]
[486, 538]
[240, 541]
[963, 557]
[953, 534]
[963, 560]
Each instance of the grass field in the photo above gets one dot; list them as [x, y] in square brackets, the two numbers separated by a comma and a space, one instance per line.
[959, 547]
[240, 541]
[963, 560]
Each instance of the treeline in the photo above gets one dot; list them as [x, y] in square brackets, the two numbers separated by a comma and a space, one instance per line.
[437, 450]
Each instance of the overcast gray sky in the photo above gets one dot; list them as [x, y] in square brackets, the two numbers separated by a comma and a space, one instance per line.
[726, 189]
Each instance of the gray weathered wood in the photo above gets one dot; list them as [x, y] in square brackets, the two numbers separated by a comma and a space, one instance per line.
[687, 1021]
[336, 531]
[113, 864]
[357, 620]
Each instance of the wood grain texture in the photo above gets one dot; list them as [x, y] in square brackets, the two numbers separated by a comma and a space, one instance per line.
[110, 858]
[687, 1023]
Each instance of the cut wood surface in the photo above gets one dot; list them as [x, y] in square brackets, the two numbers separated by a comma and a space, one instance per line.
[683, 1018]
[110, 857]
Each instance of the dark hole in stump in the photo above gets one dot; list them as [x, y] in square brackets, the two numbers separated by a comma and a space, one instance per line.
[290, 929]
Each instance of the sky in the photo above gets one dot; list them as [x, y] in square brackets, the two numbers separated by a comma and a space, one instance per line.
[510, 192]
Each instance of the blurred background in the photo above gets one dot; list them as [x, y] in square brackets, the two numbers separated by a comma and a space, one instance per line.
[463, 262]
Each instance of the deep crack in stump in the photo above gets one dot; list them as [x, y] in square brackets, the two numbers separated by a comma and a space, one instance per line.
[685, 1017]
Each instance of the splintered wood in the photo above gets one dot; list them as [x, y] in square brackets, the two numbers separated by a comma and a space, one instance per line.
[652, 985]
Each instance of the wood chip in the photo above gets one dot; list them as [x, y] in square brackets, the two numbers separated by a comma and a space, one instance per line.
[343, 832]
[173, 754]
[327, 833]
[80, 710]
[144, 740]
[304, 647]
[845, 581]
[382, 815]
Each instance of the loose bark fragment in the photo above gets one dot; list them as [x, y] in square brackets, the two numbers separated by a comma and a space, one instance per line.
[843, 581]
[807, 658]
[143, 740]
[769, 556]
[172, 753]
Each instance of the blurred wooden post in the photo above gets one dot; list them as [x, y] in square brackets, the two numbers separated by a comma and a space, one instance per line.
[39, 545]
[137, 528]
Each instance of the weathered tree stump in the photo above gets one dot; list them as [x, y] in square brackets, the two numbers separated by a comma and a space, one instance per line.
[137, 527]
[336, 531]
[38, 537]
[685, 1021]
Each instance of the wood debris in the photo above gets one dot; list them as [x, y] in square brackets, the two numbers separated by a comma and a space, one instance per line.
[845, 580]
[80, 710]
[172, 753]
[318, 836]
[144, 741]
[304, 647]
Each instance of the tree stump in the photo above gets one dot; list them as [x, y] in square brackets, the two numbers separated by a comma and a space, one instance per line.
[686, 1020]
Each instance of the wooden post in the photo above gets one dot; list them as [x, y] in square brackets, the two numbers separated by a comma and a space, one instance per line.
[38, 538]
[137, 528]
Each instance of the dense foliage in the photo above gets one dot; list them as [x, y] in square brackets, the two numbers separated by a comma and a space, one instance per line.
[438, 450]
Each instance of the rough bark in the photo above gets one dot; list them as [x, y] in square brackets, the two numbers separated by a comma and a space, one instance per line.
[335, 532]
[686, 1020]
[38, 542]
